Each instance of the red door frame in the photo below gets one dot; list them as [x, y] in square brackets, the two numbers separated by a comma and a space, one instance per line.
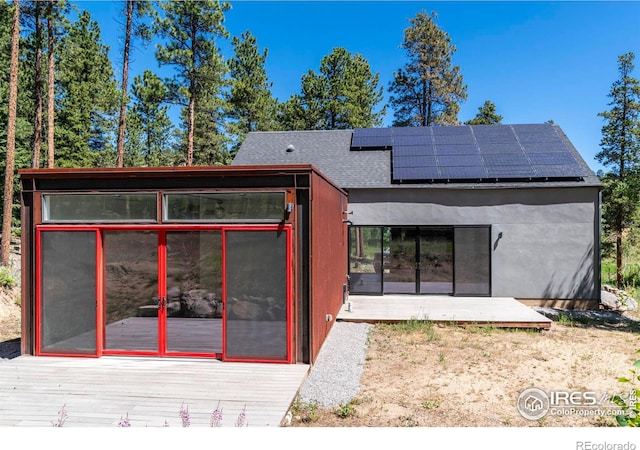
[101, 292]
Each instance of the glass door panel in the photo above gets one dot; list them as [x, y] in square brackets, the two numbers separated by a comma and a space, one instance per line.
[256, 296]
[436, 260]
[68, 294]
[365, 260]
[400, 261]
[194, 292]
[473, 261]
[131, 291]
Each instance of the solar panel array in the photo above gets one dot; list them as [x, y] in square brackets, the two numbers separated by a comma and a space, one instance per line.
[476, 152]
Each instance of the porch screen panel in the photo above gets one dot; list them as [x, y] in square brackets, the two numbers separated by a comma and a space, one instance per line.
[472, 261]
[256, 295]
[68, 292]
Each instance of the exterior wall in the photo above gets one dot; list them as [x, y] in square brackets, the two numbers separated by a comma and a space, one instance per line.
[329, 247]
[549, 246]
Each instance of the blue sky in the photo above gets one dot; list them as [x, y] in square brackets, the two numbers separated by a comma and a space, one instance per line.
[536, 61]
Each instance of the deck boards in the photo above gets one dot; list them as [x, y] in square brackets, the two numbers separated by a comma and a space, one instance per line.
[497, 311]
[98, 392]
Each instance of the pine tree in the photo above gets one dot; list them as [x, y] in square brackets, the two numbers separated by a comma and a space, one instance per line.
[87, 99]
[251, 106]
[344, 95]
[486, 115]
[149, 131]
[7, 210]
[428, 90]
[189, 30]
[135, 11]
[621, 153]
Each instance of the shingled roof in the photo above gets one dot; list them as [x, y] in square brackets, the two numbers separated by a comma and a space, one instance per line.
[331, 151]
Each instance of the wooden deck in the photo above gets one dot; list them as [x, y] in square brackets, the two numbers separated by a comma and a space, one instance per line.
[496, 311]
[99, 391]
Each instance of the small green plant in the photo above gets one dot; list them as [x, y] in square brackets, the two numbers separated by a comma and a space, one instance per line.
[7, 280]
[431, 404]
[566, 320]
[304, 412]
[346, 410]
[631, 404]
[415, 325]
[441, 357]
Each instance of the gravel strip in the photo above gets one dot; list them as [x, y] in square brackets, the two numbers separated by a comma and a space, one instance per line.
[334, 379]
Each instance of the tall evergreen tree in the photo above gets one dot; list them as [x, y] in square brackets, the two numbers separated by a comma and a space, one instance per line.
[487, 115]
[428, 90]
[345, 94]
[149, 131]
[621, 153]
[87, 99]
[35, 12]
[7, 210]
[135, 11]
[251, 106]
[189, 30]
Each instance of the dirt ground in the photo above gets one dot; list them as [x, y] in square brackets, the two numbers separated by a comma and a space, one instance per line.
[448, 376]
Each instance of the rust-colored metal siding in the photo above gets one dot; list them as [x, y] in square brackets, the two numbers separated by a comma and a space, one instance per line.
[328, 258]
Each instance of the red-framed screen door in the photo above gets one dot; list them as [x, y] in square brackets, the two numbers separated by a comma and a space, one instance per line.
[162, 292]
[67, 291]
[257, 314]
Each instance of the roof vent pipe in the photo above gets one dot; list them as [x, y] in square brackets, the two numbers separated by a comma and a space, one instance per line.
[290, 148]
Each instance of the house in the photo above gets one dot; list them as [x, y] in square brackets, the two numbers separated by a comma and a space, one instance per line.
[482, 210]
[212, 262]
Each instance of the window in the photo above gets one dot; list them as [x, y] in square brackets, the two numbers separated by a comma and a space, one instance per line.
[83, 208]
[227, 207]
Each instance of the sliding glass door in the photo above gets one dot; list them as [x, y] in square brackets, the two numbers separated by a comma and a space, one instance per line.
[453, 260]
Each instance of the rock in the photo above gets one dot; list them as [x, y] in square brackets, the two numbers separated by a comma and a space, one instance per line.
[202, 308]
[617, 300]
[244, 310]
[173, 294]
[173, 309]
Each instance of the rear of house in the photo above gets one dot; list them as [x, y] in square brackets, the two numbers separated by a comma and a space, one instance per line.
[500, 210]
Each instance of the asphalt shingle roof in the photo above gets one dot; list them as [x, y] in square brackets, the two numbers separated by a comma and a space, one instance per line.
[330, 151]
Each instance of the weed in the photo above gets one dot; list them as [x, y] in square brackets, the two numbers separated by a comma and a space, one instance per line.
[7, 281]
[241, 420]
[428, 404]
[62, 417]
[566, 320]
[441, 357]
[216, 417]
[184, 415]
[346, 410]
[415, 325]
[408, 421]
[631, 404]
[304, 412]
[124, 421]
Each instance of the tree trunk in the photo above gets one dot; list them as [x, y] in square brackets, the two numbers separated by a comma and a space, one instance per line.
[50, 86]
[125, 81]
[7, 210]
[37, 119]
[190, 126]
[619, 275]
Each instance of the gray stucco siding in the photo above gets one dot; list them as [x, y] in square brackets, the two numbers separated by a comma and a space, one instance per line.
[549, 247]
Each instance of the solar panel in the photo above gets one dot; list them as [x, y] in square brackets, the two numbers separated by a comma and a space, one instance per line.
[506, 172]
[473, 153]
[372, 142]
[413, 150]
[461, 173]
[500, 149]
[460, 161]
[454, 139]
[552, 158]
[412, 139]
[508, 159]
[414, 161]
[415, 173]
[468, 149]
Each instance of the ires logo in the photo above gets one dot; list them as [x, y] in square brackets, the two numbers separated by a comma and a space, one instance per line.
[534, 403]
